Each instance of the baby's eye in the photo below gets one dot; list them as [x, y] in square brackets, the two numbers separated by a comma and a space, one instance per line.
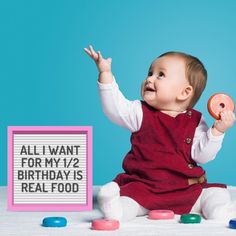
[161, 75]
[150, 73]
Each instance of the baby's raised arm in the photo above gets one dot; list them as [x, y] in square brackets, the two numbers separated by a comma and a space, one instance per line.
[103, 65]
[116, 107]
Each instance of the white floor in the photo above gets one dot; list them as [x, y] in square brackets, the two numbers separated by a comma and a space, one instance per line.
[29, 223]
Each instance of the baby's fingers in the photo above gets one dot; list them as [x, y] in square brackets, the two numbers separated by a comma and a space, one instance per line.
[94, 54]
[228, 117]
[88, 52]
[91, 53]
[91, 50]
[232, 116]
[99, 56]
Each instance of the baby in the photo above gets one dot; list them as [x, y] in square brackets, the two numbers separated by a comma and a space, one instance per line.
[169, 139]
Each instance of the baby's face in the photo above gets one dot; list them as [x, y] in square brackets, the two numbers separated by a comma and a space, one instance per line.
[165, 81]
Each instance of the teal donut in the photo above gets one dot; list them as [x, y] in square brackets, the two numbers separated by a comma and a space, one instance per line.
[54, 222]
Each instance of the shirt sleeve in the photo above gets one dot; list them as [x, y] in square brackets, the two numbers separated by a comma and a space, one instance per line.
[205, 144]
[118, 109]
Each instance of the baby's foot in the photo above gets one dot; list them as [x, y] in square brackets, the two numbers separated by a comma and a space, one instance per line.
[232, 210]
[109, 201]
[225, 212]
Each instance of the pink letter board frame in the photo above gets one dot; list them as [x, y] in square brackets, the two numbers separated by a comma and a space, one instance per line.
[50, 168]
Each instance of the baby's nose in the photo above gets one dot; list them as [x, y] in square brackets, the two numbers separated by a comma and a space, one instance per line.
[150, 79]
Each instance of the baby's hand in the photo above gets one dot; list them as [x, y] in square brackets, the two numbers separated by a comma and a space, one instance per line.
[227, 119]
[103, 65]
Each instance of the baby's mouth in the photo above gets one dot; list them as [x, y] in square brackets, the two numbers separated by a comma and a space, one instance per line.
[149, 89]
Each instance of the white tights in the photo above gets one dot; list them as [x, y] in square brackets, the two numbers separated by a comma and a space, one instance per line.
[213, 203]
[116, 207]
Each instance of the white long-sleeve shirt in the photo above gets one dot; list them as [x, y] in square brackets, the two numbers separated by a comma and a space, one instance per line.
[129, 114]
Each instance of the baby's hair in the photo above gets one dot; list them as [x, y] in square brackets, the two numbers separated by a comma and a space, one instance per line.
[195, 73]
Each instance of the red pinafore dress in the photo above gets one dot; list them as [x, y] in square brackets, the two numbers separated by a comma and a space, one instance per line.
[159, 164]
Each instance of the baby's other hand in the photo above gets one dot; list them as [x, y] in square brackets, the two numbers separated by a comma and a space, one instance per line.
[103, 65]
[227, 119]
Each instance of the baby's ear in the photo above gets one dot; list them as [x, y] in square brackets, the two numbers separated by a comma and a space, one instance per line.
[185, 93]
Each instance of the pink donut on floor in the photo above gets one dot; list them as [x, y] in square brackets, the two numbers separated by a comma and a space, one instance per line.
[103, 224]
[161, 214]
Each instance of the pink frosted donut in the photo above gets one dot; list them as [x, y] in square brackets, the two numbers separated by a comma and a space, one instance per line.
[161, 214]
[219, 102]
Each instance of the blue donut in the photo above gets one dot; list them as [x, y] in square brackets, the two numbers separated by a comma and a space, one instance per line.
[54, 222]
[232, 223]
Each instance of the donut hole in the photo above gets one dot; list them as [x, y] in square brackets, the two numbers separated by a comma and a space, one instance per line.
[222, 105]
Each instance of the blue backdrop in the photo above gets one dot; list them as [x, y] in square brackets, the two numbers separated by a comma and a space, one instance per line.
[47, 79]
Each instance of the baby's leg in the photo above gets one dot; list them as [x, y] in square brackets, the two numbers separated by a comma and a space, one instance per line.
[197, 206]
[131, 209]
[216, 204]
[109, 201]
[116, 207]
